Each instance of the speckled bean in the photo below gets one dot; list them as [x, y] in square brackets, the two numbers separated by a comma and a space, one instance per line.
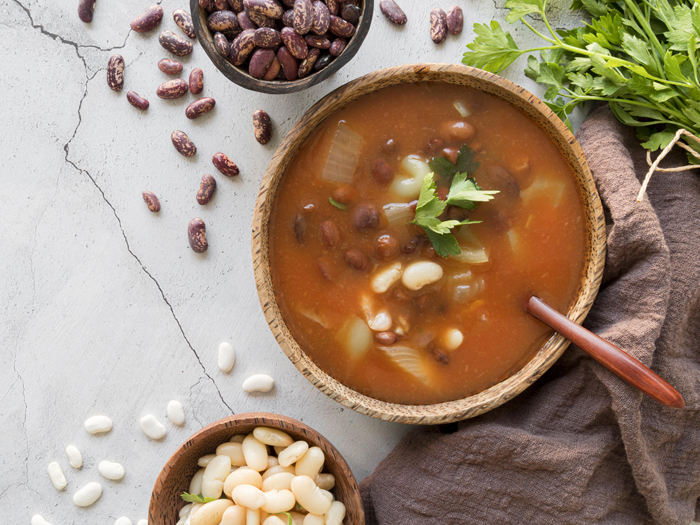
[438, 25]
[175, 88]
[303, 16]
[170, 66]
[262, 126]
[86, 10]
[294, 42]
[221, 44]
[149, 20]
[222, 21]
[176, 45]
[225, 165]
[322, 18]
[307, 64]
[197, 235]
[184, 21]
[267, 37]
[183, 144]
[341, 28]
[260, 61]
[115, 72]
[455, 20]
[391, 10]
[269, 8]
[199, 107]
[196, 81]
[242, 46]
[272, 70]
[289, 64]
[337, 46]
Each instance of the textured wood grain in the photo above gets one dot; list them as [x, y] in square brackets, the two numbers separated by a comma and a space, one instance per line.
[175, 477]
[550, 351]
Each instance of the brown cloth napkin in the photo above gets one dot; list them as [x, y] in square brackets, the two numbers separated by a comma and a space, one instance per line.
[580, 445]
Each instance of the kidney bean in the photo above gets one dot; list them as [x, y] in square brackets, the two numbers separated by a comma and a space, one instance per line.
[172, 89]
[338, 46]
[323, 62]
[322, 18]
[294, 42]
[261, 20]
[263, 126]
[267, 37]
[365, 217]
[260, 61]
[184, 21]
[439, 356]
[288, 3]
[176, 45]
[268, 8]
[501, 179]
[316, 41]
[341, 28]
[137, 101]
[242, 46]
[382, 171]
[236, 5]
[222, 21]
[289, 64]
[438, 25]
[387, 248]
[86, 10]
[434, 145]
[458, 130]
[413, 244]
[391, 10]
[344, 194]
[148, 20]
[273, 70]
[196, 81]
[200, 107]
[151, 201]
[206, 189]
[288, 18]
[329, 233]
[333, 6]
[385, 338]
[450, 154]
[221, 44]
[221, 5]
[207, 5]
[351, 13]
[303, 16]
[225, 165]
[197, 235]
[115, 72]
[389, 147]
[299, 227]
[183, 144]
[170, 66]
[245, 22]
[357, 259]
[308, 63]
[455, 20]
[324, 266]
[280, 73]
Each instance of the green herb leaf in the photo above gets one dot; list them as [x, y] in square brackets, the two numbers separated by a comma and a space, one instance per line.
[337, 204]
[290, 521]
[492, 50]
[465, 164]
[442, 167]
[196, 498]
[466, 193]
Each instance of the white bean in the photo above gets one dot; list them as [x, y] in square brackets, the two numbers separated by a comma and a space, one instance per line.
[274, 520]
[258, 383]
[311, 463]
[273, 437]
[292, 453]
[205, 460]
[255, 453]
[88, 495]
[329, 495]
[252, 517]
[227, 357]
[234, 515]
[211, 513]
[325, 481]
[277, 501]
[276, 470]
[142, 522]
[153, 428]
[272, 461]
[75, 458]
[98, 424]
[216, 472]
[309, 495]
[185, 511]
[196, 482]
[385, 277]
[279, 481]
[237, 438]
[452, 339]
[336, 514]
[242, 476]
[111, 470]
[297, 518]
[248, 496]
[234, 451]
[314, 519]
[421, 273]
[278, 450]
[39, 520]
[176, 414]
[381, 322]
[56, 475]
[123, 521]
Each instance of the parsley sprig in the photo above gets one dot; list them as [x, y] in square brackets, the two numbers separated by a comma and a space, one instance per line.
[639, 56]
[196, 498]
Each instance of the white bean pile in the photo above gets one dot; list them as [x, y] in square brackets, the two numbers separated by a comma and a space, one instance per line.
[259, 488]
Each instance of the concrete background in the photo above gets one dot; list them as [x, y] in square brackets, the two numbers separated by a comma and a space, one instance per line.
[105, 309]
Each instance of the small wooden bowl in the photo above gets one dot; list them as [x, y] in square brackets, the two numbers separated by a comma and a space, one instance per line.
[241, 76]
[175, 477]
[560, 136]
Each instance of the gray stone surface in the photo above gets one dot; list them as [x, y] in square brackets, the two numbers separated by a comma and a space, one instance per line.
[105, 309]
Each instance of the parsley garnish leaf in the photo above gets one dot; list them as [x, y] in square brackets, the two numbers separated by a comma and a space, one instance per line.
[196, 498]
[337, 204]
[465, 164]
[466, 193]
[442, 167]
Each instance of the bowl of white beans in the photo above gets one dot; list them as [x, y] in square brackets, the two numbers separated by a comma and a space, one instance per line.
[256, 469]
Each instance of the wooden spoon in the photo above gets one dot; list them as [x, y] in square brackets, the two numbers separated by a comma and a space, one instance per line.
[607, 354]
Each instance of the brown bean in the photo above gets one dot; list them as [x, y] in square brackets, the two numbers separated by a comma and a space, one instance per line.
[455, 20]
[295, 43]
[326, 269]
[382, 171]
[303, 16]
[148, 20]
[289, 64]
[308, 63]
[221, 44]
[267, 37]
[176, 45]
[365, 217]
[242, 46]
[273, 70]
[86, 9]
[197, 235]
[387, 247]
[245, 22]
[319, 42]
[351, 13]
[137, 101]
[170, 66]
[438, 25]
[322, 18]
[225, 165]
[391, 10]
[199, 107]
[260, 61]
[413, 244]
[323, 62]
[206, 189]
[183, 144]
[329, 233]
[172, 89]
[458, 130]
[299, 227]
[338, 46]
[434, 145]
[236, 5]
[115, 72]
[222, 21]
[221, 5]
[450, 154]
[184, 21]
[268, 8]
[385, 338]
[288, 18]
[389, 146]
[344, 194]
[341, 28]
[263, 126]
[333, 6]
[357, 259]
[151, 201]
[196, 81]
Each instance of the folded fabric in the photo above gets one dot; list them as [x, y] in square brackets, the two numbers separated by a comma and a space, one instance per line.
[580, 445]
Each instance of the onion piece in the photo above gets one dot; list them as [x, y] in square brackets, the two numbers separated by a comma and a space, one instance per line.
[409, 360]
[355, 337]
[472, 255]
[549, 190]
[313, 316]
[461, 108]
[343, 156]
[398, 213]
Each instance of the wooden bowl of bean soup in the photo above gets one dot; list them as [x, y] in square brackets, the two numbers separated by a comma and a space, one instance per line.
[364, 303]
[177, 474]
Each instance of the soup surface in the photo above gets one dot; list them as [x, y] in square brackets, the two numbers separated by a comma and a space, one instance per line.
[364, 292]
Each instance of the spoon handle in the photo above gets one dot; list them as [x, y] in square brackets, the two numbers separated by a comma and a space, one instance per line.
[607, 354]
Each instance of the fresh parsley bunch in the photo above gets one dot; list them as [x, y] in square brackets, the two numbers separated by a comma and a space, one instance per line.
[640, 56]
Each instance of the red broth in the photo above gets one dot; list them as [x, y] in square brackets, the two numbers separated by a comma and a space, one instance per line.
[532, 235]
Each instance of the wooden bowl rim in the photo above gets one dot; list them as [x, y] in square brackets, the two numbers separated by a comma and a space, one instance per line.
[243, 79]
[550, 351]
[268, 419]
